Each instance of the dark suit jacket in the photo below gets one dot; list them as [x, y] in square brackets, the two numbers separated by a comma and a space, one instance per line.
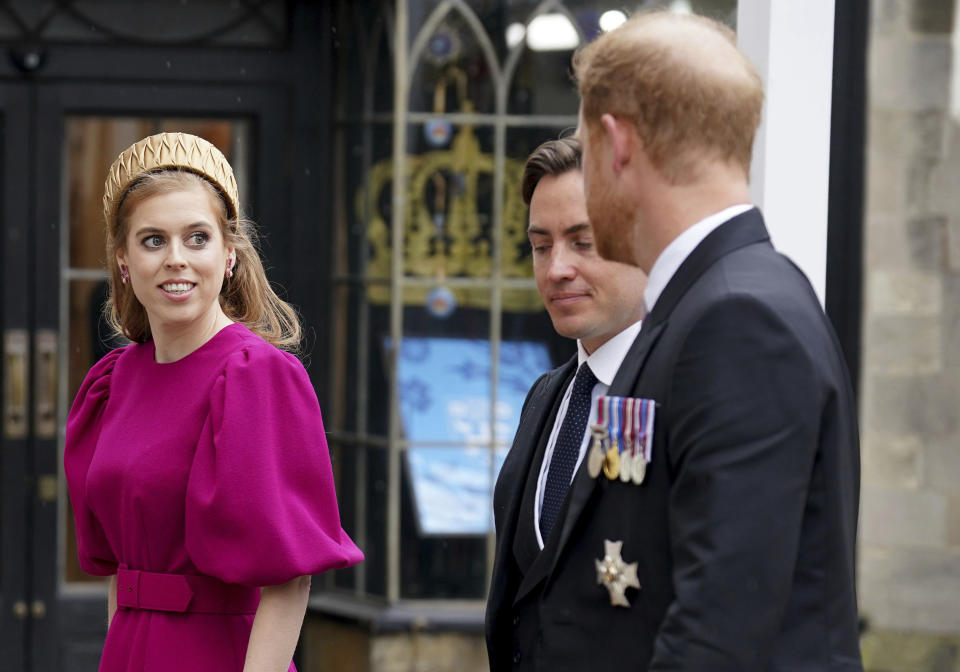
[744, 528]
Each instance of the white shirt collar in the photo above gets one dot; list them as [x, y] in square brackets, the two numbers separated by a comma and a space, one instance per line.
[680, 248]
[606, 360]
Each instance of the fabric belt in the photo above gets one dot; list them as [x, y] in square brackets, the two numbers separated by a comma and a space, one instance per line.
[184, 593]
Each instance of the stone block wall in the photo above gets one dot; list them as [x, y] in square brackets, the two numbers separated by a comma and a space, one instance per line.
[909, 551]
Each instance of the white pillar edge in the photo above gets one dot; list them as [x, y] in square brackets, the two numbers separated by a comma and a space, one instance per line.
[791, 45]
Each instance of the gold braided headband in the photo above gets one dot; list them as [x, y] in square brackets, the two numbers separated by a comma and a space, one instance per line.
[168, 150]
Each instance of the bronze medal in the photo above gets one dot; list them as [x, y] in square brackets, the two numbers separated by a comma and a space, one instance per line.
[611, 463]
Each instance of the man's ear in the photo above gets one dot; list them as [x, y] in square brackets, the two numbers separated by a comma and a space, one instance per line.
[622, 141]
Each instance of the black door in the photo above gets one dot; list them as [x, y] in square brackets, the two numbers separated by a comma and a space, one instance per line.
[66, 110]
[15, 373]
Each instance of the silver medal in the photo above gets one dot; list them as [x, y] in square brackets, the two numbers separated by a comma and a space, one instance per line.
[626, 468]
[638, 469]
[595, 456]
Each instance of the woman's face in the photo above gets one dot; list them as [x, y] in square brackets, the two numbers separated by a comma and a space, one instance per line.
[177, 257]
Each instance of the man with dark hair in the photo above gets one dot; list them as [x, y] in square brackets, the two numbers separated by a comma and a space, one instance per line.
[739, 543]
[599, 303]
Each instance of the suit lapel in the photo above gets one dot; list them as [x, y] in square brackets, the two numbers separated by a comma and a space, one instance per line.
[513, 474]
[531, 428]
[744, 229]
[623, 382]
[583, 486]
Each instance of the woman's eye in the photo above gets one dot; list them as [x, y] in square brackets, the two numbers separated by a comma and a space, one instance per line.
[198, 238]
[153, 241]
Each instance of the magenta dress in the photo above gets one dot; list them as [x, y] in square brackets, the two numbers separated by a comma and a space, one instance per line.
[197, 482]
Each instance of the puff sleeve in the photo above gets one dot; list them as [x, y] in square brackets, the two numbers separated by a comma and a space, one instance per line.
[83, 432]
[261, 507]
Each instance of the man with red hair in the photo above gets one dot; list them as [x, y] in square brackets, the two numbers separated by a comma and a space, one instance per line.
[735, 550]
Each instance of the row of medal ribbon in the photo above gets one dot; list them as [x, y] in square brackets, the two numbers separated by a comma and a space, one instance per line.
[622, 442]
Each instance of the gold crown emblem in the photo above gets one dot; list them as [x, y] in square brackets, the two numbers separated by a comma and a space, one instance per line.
[449, 236]
[168, 150]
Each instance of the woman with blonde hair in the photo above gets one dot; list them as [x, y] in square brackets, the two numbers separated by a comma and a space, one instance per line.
[195, 457]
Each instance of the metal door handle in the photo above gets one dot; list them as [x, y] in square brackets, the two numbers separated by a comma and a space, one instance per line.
[20, 610]
[45, 389]
[16, 383]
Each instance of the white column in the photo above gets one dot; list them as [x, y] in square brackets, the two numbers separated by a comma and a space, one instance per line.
[791, 45]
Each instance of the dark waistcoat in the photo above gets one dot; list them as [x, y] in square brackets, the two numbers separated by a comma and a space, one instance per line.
[533, 565]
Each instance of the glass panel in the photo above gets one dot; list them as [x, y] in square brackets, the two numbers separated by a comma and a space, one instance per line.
[721, 10]
[90, 339]
[454, 428]
[531, 325]
[361, 315]
[541, 84]
[446, 401]
[449, 201]
[448, 213]
[362, 40]
[444, 374]
[522, 140]
[516, 261]
[509, 23]
[447, 489]
[360, 472]
[364, 202]
[452, 71]
[358, 364]
[362, 494]
[93, 143]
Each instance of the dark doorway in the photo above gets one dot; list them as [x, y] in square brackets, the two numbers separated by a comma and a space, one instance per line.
[82, 81]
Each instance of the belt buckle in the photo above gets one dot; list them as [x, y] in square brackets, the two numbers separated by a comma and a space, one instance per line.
[128, 588]
[153, 591]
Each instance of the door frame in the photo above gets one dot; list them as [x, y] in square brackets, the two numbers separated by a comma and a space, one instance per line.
[284, 92]
[15, 307]
[75, 618]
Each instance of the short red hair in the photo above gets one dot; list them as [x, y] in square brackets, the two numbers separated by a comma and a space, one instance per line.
[684, 85]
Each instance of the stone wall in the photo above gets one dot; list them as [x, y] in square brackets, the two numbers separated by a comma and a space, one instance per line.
[909, 552]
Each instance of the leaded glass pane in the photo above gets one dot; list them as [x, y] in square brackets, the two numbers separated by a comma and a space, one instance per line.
[454, 71]
[440, 378]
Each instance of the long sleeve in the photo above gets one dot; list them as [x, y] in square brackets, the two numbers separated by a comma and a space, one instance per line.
[744, 416]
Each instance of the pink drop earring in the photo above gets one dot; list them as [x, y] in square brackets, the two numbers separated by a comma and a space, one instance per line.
[229, 268]
[124, 274]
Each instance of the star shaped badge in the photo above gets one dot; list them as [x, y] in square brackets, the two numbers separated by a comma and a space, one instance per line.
[615, 574]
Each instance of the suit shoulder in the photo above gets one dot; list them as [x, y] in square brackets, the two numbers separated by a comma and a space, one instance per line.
[556, 375]
[546, 381]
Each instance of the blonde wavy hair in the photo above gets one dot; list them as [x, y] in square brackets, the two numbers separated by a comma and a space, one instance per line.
[247, 297]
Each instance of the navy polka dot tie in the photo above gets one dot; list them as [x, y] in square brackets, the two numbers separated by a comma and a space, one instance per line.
[567, 449]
